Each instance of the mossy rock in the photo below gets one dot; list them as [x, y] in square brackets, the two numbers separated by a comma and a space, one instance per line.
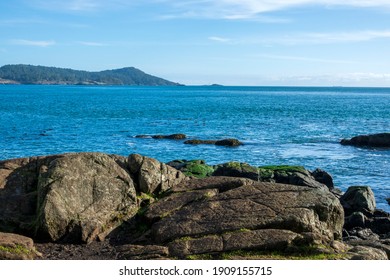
[197, 169]
[284, 168]
[17, 247]
[237, 169]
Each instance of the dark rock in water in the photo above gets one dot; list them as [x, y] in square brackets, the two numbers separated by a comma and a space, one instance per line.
[177, 136]
[228, 142]
[358, 199]
[198, 142]
[17, 247]
[195, 168]
[371, 140]
[388, 200]
[252, 215]
[172, 136]
[323, 177]
[224, 142]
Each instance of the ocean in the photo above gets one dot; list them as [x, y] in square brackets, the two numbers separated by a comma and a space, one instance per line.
[278, 125]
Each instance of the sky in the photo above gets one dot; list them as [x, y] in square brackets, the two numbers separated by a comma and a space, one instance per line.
[229, 42]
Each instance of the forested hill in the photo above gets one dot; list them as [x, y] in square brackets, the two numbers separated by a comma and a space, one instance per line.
[29, 74]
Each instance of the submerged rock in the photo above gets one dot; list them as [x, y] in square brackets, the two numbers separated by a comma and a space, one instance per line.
[177, 136]
[231, 142]
[370, 140]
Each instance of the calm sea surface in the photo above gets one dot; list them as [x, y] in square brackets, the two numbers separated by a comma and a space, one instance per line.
[279, 125]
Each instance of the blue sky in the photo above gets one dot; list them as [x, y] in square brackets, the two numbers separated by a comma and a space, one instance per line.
[230, 42]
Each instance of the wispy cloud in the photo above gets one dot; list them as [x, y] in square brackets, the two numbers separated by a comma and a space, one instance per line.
[92, 44]
[251, 9]
[316, 38]
[219, 39]
[305, 59]
[69, 5]
[346, 79]
[23, 42]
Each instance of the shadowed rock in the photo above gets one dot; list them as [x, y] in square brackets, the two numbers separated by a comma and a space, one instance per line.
[371, 140]
[231, 142]
[358, 199]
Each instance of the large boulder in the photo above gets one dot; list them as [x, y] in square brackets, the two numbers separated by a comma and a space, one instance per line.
[18, 193]
[153, 176]
[17, 247]
[219, 214]
[80, 196]
[370, 140]
[83, 197]
[358, 199]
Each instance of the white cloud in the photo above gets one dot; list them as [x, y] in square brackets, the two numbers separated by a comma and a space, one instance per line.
[23, 42]
[92, 44]
[250, 9]
[317, 38]
[219, 39]
[341, 79]
[68, 5]
[305, 59]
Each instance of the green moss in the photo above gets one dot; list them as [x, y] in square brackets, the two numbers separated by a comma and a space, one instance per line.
[18, 249]
[197, 169]
[283, 168]
[200, 257]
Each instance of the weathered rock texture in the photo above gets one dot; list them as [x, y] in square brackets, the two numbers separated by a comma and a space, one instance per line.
[85, 195]
[76, 196]
[152, 175]
[16, 247]
[219, 214]
[358, 199]
[371, 140]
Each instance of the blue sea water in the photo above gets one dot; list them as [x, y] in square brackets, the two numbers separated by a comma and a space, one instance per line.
[279, 125]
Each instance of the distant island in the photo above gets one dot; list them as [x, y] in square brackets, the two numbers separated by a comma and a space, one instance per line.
[42, 75]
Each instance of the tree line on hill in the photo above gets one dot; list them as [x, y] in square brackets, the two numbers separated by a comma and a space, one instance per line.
[29, 74]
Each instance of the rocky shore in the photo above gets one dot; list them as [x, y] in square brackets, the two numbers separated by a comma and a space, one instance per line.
[100, 206]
